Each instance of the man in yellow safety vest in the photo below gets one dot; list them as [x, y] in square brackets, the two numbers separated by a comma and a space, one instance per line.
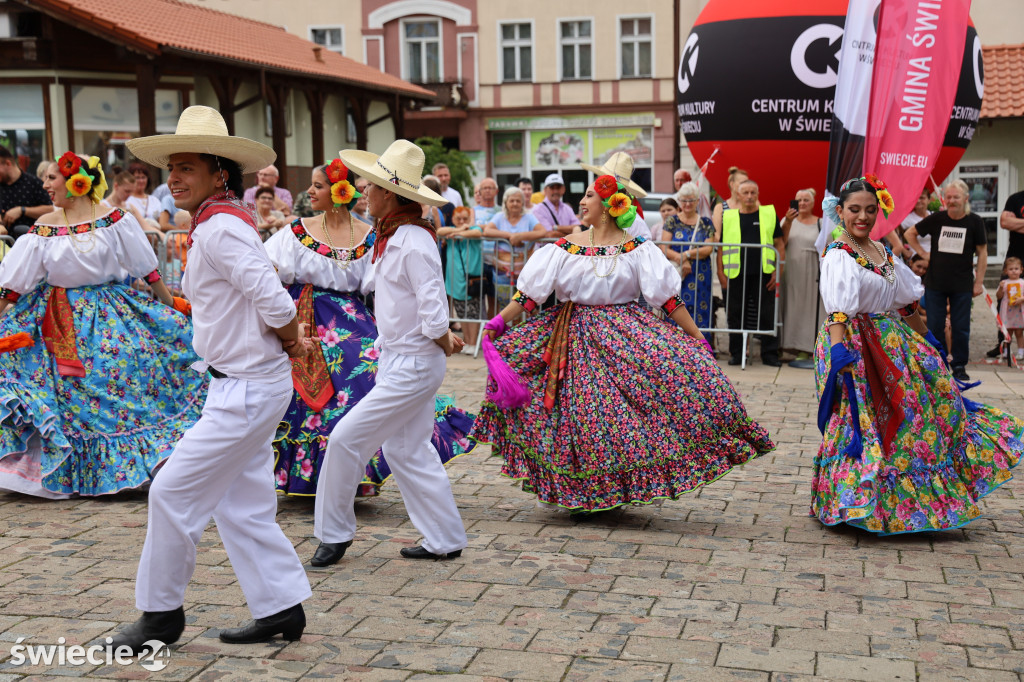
[751, 272]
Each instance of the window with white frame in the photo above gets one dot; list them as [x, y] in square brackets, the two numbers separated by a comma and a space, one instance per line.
[331, 37]
[577, 49]
[516, 52]
[422, 49]
[637, 47]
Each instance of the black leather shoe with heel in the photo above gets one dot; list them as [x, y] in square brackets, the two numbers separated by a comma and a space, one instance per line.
[329, 553]
[288, 623]
[162, 626]
[418, 552]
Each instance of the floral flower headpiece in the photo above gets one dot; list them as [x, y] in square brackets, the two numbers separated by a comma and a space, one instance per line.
[617, 200]
[830, 204]
[83, 179]
[885, 202]
[343, 192]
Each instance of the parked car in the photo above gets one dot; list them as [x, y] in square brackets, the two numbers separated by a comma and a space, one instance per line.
[650, 204]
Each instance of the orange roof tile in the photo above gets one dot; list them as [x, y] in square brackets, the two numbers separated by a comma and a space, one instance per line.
[1004, 81]
[159, 26]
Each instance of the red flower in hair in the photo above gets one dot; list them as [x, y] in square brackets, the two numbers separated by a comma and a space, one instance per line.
[69, 164]
[875, 182]
[605, 186]
[336, 172]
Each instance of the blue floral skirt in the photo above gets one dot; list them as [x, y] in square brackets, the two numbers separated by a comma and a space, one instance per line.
[347, 332]
[109, 430]
[642, 412]
[942, 459]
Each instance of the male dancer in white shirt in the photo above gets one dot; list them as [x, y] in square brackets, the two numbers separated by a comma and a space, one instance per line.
[245, 329]
[398, 412]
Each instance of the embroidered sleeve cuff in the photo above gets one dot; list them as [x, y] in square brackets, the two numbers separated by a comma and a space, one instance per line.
[9, 295]
[152, 277]
[525, 301]
[909, 310]
[671, 305]
[837, 318]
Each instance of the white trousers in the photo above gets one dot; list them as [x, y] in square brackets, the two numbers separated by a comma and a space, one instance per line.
[397, 413]
[223, 467]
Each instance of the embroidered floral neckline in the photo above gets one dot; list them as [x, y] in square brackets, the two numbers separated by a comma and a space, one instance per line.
[321, 249]
[79, 228]
[578, 250]
[861, 260]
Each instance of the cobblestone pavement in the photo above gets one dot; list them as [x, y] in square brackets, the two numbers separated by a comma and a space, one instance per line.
[733, 582]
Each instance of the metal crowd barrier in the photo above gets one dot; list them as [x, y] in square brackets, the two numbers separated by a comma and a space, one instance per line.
[754, 310]
[476, 297]
[749, 307]
[741, 308]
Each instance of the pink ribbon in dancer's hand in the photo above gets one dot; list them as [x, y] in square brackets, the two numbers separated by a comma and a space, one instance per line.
[510, 392]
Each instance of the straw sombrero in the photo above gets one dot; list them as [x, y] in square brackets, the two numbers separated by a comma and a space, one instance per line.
[620, 166]
[201, 130]
[399, 169]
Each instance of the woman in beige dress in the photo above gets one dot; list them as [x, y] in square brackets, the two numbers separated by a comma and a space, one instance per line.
[800, 297]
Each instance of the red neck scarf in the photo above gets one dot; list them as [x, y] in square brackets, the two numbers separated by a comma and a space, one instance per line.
[225, 202]
[410, 214]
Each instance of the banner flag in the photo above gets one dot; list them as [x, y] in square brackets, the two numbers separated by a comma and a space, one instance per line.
[850, 112]
[918, 57]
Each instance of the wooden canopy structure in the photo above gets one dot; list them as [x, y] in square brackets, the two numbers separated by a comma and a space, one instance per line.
[160, 38]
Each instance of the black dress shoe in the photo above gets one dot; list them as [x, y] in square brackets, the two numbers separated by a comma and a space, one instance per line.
[162, 626]
[329, 553]
[995, 352]
[771, 361]
[418, 552]
[961, 374]
[735, 360]
[288, 623]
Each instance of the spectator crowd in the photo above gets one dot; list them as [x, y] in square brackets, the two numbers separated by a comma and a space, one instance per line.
[744, 264]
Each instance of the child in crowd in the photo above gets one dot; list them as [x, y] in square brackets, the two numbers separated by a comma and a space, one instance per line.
[668, 208]
[463, 274]
[1011, 295]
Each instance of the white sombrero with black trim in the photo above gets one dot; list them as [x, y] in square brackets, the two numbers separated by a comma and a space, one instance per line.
[620, 166]
[201, 130]
[399, 169]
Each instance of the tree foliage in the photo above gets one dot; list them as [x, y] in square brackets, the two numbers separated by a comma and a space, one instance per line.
[458, 163]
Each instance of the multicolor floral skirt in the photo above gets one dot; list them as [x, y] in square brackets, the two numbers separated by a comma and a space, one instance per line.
[109, 430]
[940, 461]
[347, 331]
[642, 412]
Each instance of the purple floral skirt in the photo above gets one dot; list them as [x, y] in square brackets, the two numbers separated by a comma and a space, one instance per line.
[642, 412]
[347, 331]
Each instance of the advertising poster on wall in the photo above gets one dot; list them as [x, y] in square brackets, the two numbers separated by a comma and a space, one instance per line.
[637, 142]
[558, 148]
[507, 149]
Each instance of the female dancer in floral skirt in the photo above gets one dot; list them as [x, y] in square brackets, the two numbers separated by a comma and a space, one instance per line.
[97, 401]
[620, 407]
[903, 451]
[324, 261]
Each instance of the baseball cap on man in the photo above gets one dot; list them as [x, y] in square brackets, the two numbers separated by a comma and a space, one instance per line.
[553, 179]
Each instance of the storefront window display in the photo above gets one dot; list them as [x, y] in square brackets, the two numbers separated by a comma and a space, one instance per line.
[23, 124]
[543, 145]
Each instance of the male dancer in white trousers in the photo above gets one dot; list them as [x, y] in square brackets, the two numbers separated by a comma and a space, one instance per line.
[245, 328]
[413, 338]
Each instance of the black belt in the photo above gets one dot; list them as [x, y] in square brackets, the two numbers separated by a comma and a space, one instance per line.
[216, 373]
